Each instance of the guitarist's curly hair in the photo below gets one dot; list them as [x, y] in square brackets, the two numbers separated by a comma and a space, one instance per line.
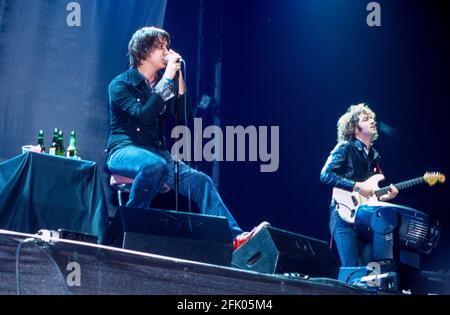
[347, 122]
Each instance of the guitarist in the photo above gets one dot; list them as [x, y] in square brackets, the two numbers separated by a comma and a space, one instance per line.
[350, 163]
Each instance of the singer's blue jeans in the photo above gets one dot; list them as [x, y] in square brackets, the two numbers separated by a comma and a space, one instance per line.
[152, 168]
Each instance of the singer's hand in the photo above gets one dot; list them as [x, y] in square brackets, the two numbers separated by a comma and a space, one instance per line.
[173, 64]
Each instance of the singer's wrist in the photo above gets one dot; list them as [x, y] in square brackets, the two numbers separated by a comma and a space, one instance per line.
[165, 88]
[168, 79]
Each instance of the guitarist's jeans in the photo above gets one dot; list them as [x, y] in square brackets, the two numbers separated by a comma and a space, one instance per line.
[353, 251]
[150, 168]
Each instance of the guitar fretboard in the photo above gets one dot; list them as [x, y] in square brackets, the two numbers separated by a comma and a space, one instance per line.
[400, 186]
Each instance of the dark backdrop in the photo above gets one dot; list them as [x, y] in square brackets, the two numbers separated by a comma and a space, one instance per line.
[56, 76]
[303, 64]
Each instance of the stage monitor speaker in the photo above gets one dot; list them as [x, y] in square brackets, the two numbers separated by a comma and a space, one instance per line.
[278, 251]
[183, 235]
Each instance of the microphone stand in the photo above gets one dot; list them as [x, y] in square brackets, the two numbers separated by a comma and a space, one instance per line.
[175, 160]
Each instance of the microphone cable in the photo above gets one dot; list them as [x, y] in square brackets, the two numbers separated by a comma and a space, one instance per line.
[186, 124]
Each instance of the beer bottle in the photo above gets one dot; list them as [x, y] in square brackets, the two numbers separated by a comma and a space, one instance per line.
[60, 149]
[54, 146]
[72, 148]
[41, 141]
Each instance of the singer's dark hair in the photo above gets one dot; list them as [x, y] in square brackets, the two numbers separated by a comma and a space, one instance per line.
[144, 41]
[347, 122]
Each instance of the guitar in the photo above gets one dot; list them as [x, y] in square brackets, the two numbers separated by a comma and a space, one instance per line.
[347, 202]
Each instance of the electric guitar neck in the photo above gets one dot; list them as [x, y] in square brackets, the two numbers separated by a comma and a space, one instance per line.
[347, 202]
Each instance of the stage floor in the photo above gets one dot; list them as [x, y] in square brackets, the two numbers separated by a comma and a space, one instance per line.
[31, 265]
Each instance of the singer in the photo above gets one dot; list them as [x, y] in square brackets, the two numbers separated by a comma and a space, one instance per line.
[140, 101]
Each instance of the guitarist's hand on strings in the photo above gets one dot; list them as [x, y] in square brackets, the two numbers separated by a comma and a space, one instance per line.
[393, 191]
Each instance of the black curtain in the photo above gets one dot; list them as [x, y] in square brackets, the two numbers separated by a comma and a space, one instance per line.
[56, 75]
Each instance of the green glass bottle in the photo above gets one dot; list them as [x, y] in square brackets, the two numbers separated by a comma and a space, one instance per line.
[54, 146]
[60, 149]
[72, 148]
[41, 141]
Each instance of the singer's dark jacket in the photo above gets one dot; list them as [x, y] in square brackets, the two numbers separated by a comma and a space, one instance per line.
[137, 115]
[348, 163]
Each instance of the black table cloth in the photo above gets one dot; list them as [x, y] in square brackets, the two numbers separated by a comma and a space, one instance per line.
[40, 191]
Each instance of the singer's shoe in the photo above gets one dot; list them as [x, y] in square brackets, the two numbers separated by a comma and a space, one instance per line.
[244, 237]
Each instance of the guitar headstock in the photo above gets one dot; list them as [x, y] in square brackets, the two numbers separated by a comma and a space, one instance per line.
[431, 178]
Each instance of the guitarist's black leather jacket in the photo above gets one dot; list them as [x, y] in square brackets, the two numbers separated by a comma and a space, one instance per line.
[348, 163]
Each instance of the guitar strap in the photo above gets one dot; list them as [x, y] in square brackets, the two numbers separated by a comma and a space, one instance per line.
[333, 224]
[378, 168]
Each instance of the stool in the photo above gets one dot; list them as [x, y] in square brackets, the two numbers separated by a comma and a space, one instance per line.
[123, 184]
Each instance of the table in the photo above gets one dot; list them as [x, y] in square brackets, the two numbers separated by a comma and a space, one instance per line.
[41, 191]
